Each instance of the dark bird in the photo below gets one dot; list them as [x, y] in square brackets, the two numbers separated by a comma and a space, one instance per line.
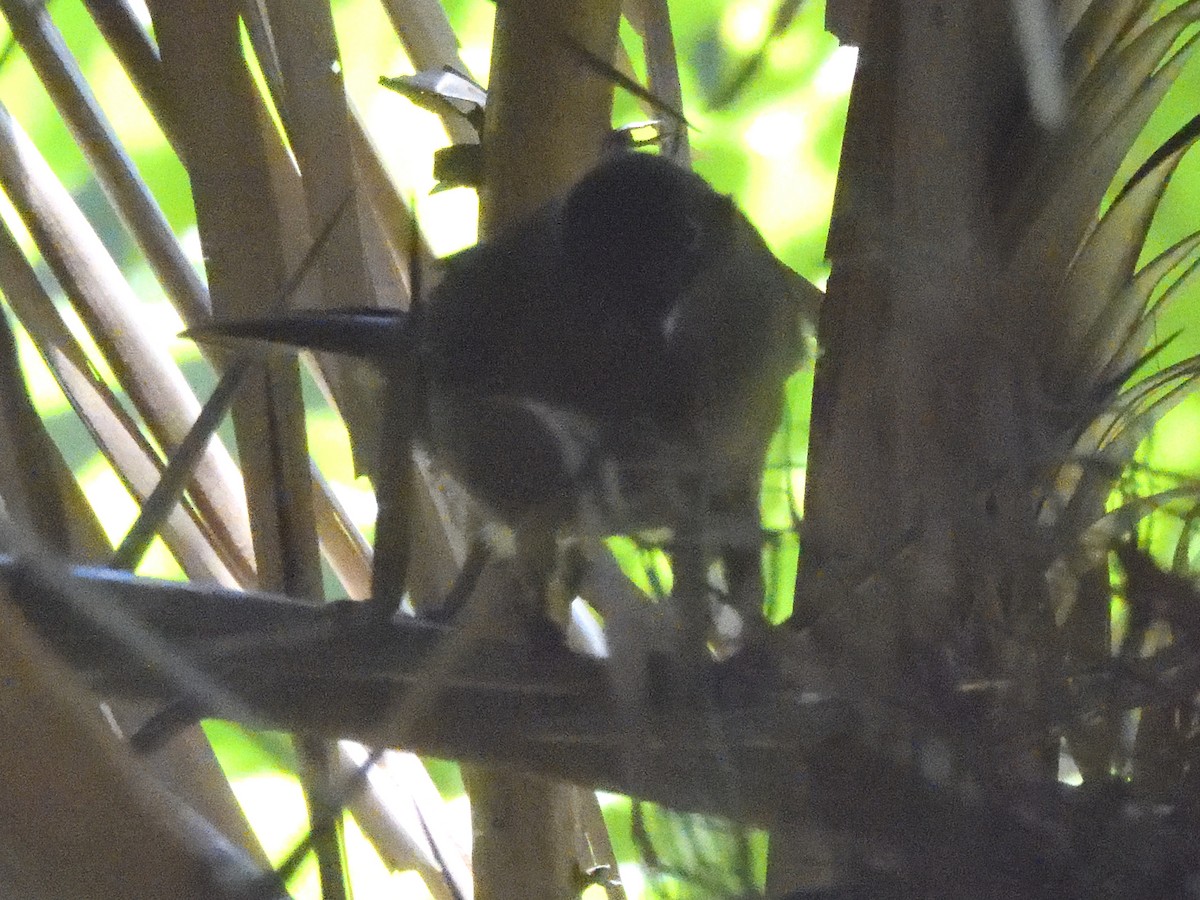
[614, 364]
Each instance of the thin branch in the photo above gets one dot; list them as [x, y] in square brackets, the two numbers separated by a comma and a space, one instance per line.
[102, 297]
[113, 168]
[139, 839]
[117, 435]
[135, 49]
[169, 490]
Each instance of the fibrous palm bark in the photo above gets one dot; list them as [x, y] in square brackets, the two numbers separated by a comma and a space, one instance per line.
[969, 415]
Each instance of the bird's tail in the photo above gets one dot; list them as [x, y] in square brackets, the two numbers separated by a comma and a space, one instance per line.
[383, 336]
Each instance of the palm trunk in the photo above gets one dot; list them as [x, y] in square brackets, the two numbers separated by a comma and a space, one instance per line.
[547, 118]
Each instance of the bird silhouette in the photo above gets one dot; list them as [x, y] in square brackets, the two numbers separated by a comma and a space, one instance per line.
[614, 364]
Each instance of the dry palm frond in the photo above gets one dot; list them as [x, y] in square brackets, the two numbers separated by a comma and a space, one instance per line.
[1069, 314]
[1079, 272]
[960, 476]
[209, 535]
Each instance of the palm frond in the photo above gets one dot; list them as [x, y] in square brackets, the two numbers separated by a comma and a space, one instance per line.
[991, 366]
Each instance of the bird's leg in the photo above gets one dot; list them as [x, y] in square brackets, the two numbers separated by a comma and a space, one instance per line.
[743, 570]
[541, 607]
[749, 656]
[464, 584]
[752, 663]
[690, 599]
[740, 527]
